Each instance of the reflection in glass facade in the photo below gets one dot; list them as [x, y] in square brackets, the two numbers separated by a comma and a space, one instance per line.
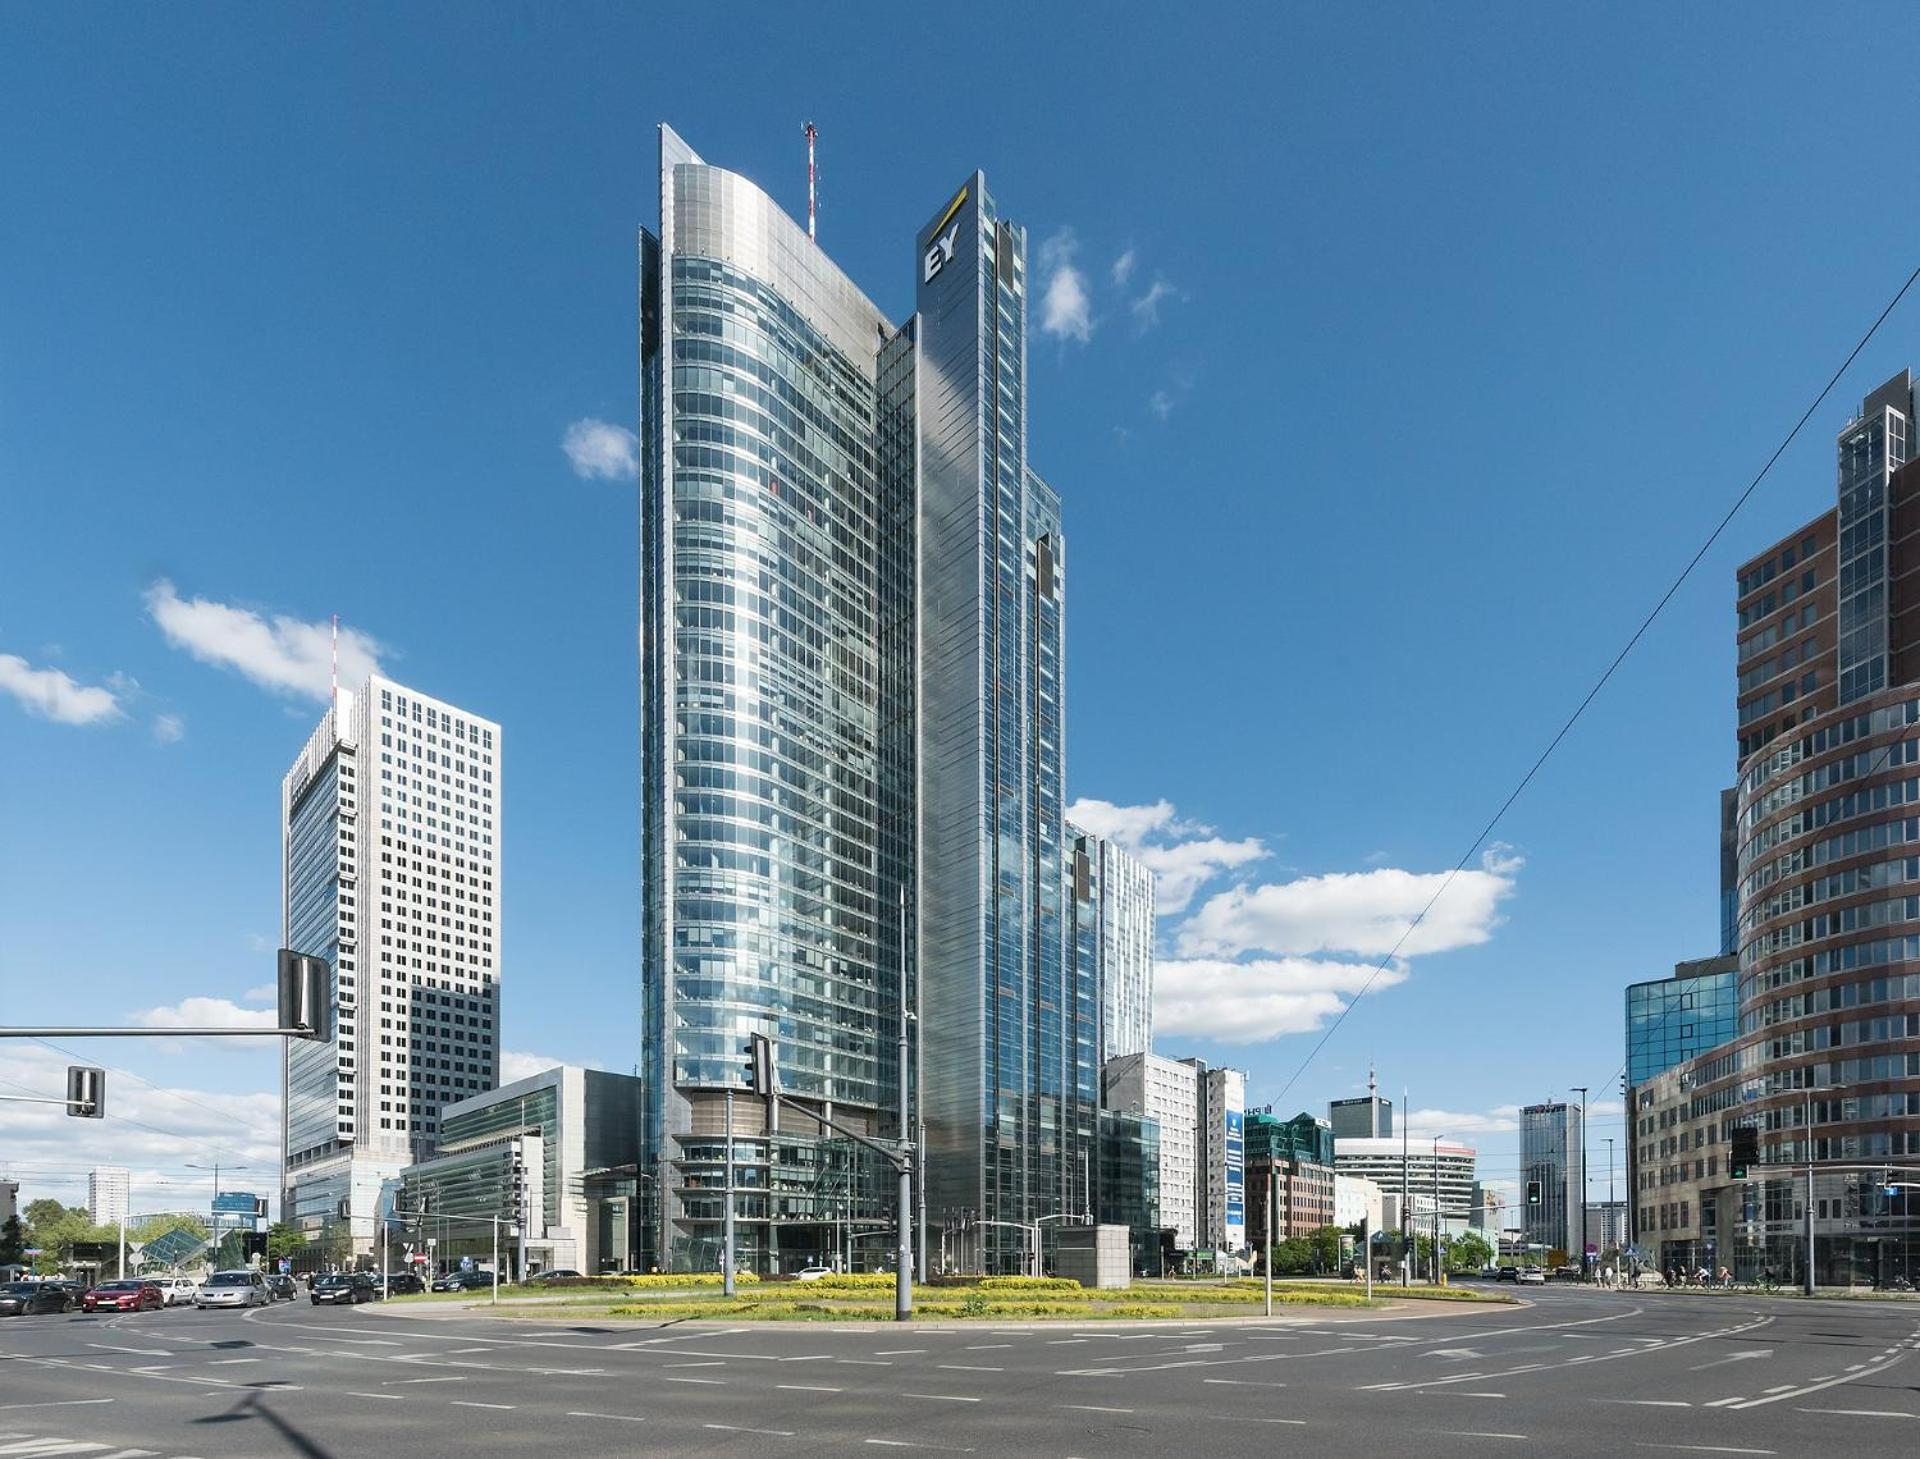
[312, 923]
[851, 644]
[1671, 1020]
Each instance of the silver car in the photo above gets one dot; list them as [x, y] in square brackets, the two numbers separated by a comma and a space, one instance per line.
[233, 1289]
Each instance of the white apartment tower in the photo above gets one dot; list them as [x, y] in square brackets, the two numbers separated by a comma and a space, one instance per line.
[390, 836]
[1126, 953]
[107, 1197]
[1166, 1091]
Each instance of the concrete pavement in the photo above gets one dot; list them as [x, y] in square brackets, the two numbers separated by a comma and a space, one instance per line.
[1576, 1373]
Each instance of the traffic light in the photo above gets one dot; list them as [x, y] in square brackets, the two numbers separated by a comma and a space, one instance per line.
[761, 1076]
[86, 1091]
[254, 1243]
[305, 1000]
[1745, 1152]
[1533, 1193]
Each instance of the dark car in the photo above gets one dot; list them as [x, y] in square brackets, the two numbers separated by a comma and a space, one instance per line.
[468, 1281]
[343, 1288]
[1507, 1274]
[282, 1288]
[18, 1299]
[559, 1274]
[127, 1296]
[403, 1284]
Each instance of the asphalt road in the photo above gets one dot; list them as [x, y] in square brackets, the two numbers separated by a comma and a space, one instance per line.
[1575, 1373]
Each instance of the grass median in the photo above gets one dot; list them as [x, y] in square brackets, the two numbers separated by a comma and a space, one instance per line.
[869, 1297]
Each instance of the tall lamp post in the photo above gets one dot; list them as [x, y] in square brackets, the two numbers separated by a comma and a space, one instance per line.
[214, 1210]
[1586, 1273]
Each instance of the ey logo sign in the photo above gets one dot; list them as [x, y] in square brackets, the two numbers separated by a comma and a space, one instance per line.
[940, 253]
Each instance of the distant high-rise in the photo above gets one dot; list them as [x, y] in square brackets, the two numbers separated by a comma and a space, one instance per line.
[852, 708]
[1221, 1153]
[1361, 1119]
[1121, 891]
[1550, 1154]
[390, 854]
[107, 1195]
[1167, 1093]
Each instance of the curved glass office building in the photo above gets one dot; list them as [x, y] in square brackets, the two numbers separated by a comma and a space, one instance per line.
[851, 644]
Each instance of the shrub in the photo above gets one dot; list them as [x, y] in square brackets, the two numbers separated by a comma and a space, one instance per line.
[1029, 1284]
[852, 1282]
[651, 1281]
[1143, 1309]
[722, 1308]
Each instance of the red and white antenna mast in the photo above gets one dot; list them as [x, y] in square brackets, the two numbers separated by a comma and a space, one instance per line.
[812, 199]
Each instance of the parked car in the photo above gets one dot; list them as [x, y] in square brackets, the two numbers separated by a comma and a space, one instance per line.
[401, 1284]
[466, 1281]
[178, 1291]
[233, 1289]
[559, 1274]
[812, 1273]
[281, 1289]
[127, 1296]
[20, 1299]
[342, 1288]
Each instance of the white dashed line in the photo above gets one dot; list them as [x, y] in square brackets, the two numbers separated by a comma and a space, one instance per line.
[808, 1388]
[941, 1397]
[738, 1429]
[625, 1418]
[461, 1403]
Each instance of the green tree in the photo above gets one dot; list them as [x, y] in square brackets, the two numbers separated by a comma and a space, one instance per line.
[13, 1241]
[1468, 1252]
[283, 1240]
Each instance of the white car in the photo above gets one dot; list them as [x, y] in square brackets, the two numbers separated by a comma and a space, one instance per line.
[178, 1290]
[233, 1289]
[812, 1273]
[1532, 1276]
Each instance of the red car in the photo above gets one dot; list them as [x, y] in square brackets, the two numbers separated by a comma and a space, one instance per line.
[128, 1296]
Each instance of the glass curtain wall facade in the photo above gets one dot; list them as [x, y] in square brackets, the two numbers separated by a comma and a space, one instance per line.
[852, 641]
[1550, 1153]
[774, 854]
[1671, 1020]
[1001, 1096]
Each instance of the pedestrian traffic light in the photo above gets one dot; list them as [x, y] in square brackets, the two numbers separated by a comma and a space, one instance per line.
[306, 1004]
[1745, 1152]
[1533, 1192]
[86, 1091]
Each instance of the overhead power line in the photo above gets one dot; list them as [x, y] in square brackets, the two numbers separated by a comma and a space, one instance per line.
[1601, 683]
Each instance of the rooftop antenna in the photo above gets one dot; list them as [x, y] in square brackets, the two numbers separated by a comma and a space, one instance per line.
[811, 177]
[333, 688]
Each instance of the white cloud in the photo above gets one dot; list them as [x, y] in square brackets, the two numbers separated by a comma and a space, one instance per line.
[168, 729]
[1247, 1002]
[263, 993]
[1123, 267]
[1146, 308]
[1066, 309]
[205, 1013]
[155, 1132]
[514, 1065]
[599, 449]
[285, 655]
[1462, 1127]
[1182, 855]
[1365, 913]
[1161, 404]
[54, 695]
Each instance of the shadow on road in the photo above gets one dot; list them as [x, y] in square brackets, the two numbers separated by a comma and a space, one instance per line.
[251, 1407]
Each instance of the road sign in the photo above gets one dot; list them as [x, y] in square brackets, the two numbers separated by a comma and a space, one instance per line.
[286, 1265]
[466, 1263]
[236, 1203]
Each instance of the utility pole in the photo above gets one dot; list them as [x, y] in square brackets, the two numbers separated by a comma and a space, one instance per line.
[1406, 1216]
[1616, 1254]
[726, 1223]
[1809, 1284]
[1581, 1090]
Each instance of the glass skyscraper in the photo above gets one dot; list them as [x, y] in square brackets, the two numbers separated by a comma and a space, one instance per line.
[851, 648]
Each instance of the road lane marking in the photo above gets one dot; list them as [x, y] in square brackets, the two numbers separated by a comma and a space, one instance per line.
[625, 1418]
[141, 1352]
[1707, 1448]
[1476, 1434]
[715, 1382]
[1652, 1402]
[865, 1362]
[1850, 1412]
[909, 1444]
[394, 1396]
[464, 1403]
[971, 1368]
[705, 1363]
[1093, 1408]
[60, 1403]
[981, 1347]
[941, 1397]
[1236, 1419]
[808, 1388]
[898, 1352]
[391, 1381]
[739, 1429]
[1245, 1382]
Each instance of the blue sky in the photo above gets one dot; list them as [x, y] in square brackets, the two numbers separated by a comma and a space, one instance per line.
[1398, 358]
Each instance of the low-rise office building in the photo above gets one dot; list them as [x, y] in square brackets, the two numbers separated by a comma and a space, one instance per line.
[551, 1160]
